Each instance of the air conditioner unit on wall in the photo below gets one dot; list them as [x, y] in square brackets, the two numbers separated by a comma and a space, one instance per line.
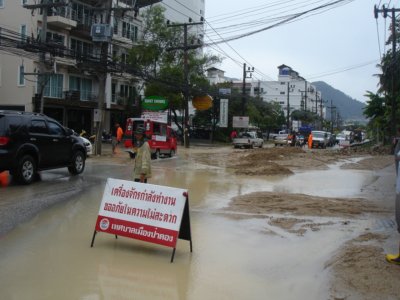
[101, 32]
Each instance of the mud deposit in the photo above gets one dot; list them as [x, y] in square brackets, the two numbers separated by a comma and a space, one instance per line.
[358, 268]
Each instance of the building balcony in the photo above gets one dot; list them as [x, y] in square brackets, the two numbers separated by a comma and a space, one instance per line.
[76, 95]
[62, 17]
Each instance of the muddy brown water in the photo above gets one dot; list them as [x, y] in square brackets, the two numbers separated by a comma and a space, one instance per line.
[49, 257]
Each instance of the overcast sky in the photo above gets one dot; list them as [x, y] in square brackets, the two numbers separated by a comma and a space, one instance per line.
[342, 40]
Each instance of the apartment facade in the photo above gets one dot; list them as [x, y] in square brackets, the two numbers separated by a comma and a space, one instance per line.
[290, 90]
[70, 80]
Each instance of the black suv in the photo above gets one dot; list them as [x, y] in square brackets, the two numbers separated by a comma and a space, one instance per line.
[30, 142]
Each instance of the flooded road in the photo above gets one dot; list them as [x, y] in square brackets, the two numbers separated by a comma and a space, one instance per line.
[234, 257]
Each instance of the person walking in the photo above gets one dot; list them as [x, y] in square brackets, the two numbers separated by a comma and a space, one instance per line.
[310, 141]
[114, 138]
[120, 133]
[142, 168]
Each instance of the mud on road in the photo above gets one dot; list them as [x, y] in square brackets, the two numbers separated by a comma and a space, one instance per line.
[358, 269]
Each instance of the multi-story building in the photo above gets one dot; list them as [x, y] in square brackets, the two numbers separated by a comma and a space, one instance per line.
[70, 73]
[291, 91]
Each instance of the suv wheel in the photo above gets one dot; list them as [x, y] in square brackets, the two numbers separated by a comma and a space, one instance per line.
[26, 169]
[78, 163]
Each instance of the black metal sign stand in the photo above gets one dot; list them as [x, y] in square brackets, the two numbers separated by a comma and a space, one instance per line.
[184, 231]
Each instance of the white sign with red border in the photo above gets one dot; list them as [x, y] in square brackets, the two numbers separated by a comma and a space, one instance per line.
[146, 212]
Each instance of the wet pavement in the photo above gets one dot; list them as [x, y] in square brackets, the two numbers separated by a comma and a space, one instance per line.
[49, 256]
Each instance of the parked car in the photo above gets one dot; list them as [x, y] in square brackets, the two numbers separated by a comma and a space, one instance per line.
[31, 142]
[319, 139]
[248, 139]
[281, 140]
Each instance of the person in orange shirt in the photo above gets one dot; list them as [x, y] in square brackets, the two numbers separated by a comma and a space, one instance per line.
[116, 137]
[120, 133]
[310, 141]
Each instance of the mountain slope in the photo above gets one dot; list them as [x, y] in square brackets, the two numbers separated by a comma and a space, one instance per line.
[348, 108]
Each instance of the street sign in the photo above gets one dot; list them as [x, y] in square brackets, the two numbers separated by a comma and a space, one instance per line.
[223, 113]
[154, 103]
[240, 122]
[151, 213]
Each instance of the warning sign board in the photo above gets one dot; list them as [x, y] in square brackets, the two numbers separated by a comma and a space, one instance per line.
[146, 212]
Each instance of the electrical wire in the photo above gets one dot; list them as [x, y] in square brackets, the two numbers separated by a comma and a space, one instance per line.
[287, 20]
[344, 69]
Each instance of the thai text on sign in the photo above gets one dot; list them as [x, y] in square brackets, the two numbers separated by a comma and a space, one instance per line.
[146, 212]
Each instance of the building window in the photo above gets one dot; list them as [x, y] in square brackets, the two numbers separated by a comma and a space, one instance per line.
[80, 48]
[21, 75]
[23, 2]
[23, 32]
[129, 31]
[1, 3]
[53, 85]
[83, 85]
[282, 93]
[82, 14]
[55, 38]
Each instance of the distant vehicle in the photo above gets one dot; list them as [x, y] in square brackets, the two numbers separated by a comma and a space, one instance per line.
[340, 138]
[88, 145]
[162, 138]
[275, 135]
[319, 139]
[281, 140]
[31, 142]
[248, 139]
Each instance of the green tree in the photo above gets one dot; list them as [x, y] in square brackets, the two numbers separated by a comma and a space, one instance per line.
[386, 100]
[161, 69]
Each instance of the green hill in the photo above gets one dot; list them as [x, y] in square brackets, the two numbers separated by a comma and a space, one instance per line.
[349, 109]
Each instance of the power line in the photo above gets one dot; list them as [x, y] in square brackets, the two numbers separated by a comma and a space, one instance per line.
[287, 20]
[344, 69]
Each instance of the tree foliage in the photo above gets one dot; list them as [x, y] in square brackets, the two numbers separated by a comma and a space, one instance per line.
[387, 98]
[160, 62]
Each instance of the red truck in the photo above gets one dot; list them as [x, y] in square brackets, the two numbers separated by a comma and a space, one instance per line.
[162, 138]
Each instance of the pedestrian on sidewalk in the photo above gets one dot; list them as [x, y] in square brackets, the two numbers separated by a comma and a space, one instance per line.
[142, 168]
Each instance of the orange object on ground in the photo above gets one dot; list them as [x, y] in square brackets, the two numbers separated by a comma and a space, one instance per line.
[4, 179]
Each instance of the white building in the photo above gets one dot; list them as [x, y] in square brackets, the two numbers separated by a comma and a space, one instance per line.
[291, 91]
[71, 93]
[216, 76]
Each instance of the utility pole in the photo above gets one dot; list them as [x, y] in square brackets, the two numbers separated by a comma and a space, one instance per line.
[305, 95]
[288, 106]
[186, 91]
[45, 5]
[245, 71]
[332, 109]
[385, 11]
[102, 76]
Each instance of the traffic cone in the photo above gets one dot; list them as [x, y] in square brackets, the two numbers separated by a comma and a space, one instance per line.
[4, 179]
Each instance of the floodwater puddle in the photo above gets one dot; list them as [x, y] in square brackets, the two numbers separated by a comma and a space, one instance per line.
[49, 257]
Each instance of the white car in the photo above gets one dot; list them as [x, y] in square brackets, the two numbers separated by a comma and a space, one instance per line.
[88, 145]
